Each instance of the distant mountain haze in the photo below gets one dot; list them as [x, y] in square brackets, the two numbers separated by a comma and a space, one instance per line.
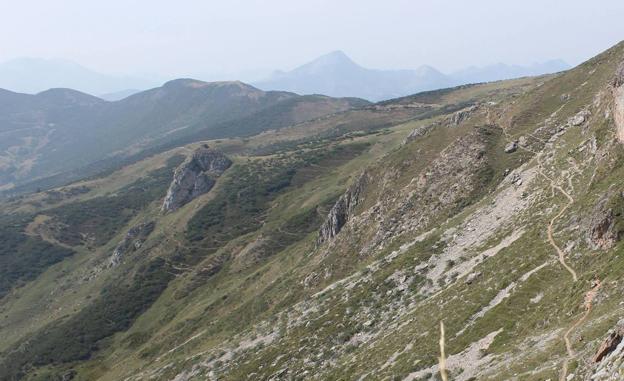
[33, 75]
[335, 74]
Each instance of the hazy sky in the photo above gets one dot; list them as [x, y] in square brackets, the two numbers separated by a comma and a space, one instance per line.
[191, 37]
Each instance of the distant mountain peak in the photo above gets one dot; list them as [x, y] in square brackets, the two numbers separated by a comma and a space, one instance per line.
[332, 60]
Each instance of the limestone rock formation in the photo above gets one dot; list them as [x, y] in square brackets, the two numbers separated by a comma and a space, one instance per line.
[511, 147]
[133, 240]
[196, 176]
[462, 115]
[618, 102]
[605, 224]
[609, 358]
[453, 120]
[342, 210]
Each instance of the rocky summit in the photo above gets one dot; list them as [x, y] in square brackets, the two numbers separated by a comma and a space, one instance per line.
[468, 233]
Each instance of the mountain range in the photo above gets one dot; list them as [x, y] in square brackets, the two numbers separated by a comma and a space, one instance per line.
[61, 130]
[335, 74]
[467, 233]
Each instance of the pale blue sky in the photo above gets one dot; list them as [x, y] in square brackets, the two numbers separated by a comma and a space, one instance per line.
[195, 37]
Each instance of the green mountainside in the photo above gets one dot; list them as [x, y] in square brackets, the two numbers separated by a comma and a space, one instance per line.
[68, 134]
[333, 247]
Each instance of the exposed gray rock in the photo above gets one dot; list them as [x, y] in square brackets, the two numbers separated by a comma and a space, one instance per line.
[342, 210]
[196, 176]
[511, 147]
[472, 277]
[606, 221]
[451, 121]
[418, 132]
[618, 102]
[461, 115]
[579, 118]
[610, 343]
[609, 357]
[132, 241]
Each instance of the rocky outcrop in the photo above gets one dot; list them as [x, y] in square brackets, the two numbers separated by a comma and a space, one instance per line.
[610, 343]
[580, 118]
[418, 132]
[132, 241]
[606, 223]
[453, 120]
[196, 176]
[511, 147]
[609, 358]
[342, 210]
[460, 116]
[618, 102]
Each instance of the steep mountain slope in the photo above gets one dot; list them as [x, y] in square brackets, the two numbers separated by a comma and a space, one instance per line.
[334, 248]
[337, 75]
[62, 130]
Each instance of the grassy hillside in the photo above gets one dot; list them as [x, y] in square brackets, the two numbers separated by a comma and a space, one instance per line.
[59, 131]
[496, 208]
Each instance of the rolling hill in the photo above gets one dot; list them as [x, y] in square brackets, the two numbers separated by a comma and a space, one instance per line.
[61, 130]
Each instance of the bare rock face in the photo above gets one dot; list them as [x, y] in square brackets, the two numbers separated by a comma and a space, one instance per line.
[609, 358]
[418, 132]
[511, 147]
[451, 121]
[618, 102]
[606, 225]
[132, 241]
[462, 115]
[580, 118]
[196, 176]
[610, 343]
[342, 210]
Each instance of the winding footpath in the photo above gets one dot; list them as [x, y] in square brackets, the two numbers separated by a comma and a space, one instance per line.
[591, 294]
[589, 300]
[551, 239]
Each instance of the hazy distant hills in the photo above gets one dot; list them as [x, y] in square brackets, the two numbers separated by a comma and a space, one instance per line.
[501, 71]
[338, 75]
[118, 95]
[61, 130]
[335, 74]
[33, 75]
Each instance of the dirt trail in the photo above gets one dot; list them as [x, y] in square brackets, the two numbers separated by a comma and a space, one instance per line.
[589, 300]
[551, 239]
[591, 294]
[554, 186]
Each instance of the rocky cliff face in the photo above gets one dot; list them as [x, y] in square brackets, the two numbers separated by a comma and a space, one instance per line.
[342, 210]
[133, 240]
[609, 358]
[618, 102]
[605, 225]
[196, 176]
